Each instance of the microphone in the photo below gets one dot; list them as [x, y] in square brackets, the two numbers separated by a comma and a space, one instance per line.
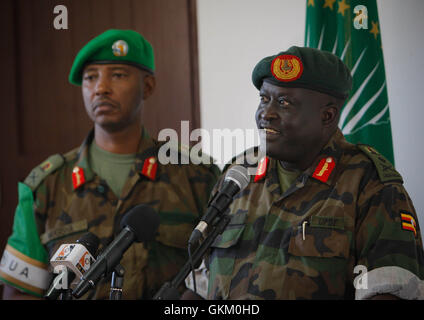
[139, 224]
[235, 180]
[77, 258]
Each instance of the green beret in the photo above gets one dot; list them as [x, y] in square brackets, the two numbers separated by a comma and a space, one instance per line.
[114, 46]
[302, 67]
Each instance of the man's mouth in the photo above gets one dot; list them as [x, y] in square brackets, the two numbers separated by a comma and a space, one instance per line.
[269, 130]
[103, 105]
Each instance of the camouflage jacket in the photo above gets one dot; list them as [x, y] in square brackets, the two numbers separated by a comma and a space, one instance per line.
[70, 199]
[348, 209]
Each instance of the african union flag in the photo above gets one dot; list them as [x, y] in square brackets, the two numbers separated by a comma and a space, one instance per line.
[350, 29]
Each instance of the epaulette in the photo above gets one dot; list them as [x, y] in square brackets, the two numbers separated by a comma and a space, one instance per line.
[247, 158]
[71, 155]
[385, 170]
[39, 173]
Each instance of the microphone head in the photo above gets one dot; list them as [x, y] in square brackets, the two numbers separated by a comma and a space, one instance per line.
[90, 241]
[143, 221]
[238, 174]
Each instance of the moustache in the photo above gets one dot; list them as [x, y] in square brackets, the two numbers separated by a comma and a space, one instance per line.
[104, 102]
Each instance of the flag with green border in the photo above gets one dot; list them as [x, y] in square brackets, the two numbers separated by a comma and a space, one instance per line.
[350, 29]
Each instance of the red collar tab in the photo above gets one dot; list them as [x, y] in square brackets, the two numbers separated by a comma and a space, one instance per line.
[262, 167]
[78, 177]
[324, 169]
[150, 167]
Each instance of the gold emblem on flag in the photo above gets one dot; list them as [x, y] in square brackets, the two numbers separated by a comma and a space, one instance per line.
[286, 68]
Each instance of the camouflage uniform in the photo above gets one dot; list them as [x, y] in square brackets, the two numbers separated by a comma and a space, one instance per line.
[178, 193]
[305, 243]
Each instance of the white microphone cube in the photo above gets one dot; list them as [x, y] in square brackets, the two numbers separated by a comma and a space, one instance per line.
[74, 256]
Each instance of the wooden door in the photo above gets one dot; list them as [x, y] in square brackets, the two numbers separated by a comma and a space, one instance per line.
[43, 114]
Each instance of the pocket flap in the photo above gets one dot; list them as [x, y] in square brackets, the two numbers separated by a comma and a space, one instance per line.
[64, 231]
[232, 233]
[321, 242]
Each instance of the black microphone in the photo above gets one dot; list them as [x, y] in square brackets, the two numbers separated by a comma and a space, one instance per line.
[235, 180]
[71, 260]
[139, 224]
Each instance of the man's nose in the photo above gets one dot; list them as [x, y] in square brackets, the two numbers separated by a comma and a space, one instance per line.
[269, 112]
[103, 86]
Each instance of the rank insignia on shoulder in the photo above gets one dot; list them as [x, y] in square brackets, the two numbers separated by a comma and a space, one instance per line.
[78, 177]
[46, 166]
[324, 169]
[262, 167]
[408, 222]
[39, 173]
[150, 167]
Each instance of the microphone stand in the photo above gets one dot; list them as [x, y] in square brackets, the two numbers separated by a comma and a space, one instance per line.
[169, 290]
[66, 294]
[117, 283]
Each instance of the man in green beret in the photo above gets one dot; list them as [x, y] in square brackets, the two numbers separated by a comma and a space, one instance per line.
[116, 168]
[321, 218]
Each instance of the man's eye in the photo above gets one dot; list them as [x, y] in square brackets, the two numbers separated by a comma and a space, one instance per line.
[264, 99]
[119, 75]
[284, 102]
[89, 77]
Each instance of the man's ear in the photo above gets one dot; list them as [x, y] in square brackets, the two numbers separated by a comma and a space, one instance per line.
[330, 115]
[149, 85]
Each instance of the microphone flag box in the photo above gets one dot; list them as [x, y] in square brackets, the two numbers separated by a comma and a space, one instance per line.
[73, 256]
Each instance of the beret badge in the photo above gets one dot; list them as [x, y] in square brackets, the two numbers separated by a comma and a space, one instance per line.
[120, 48]
[286, 68]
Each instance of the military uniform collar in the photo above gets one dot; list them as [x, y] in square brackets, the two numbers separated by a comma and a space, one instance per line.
[323, 168]
[145, 163]
[82, 172]
[326, 164]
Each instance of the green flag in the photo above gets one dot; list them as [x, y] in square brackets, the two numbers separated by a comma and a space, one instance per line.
[350, 29]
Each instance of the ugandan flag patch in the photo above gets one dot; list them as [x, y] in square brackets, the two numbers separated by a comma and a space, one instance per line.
[408, 222]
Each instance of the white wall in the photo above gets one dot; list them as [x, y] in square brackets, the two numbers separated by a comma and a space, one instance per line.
[402, 33]
[235, 34]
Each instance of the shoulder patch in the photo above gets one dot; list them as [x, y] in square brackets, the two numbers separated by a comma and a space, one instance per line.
[39, 173]
[385, 169]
